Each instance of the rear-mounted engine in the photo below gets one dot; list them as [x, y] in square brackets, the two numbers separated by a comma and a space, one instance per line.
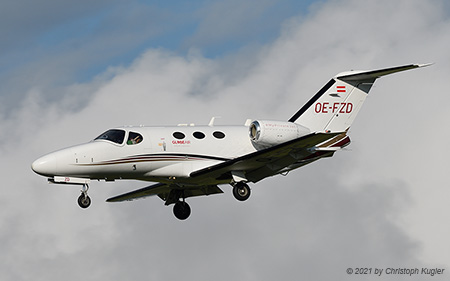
[264, 134]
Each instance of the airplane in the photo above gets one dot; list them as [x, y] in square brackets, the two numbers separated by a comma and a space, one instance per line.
[186, 160]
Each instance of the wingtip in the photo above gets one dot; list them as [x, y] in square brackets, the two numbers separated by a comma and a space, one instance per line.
[424, 64]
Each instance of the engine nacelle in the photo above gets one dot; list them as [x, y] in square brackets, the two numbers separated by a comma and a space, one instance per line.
[264, 134]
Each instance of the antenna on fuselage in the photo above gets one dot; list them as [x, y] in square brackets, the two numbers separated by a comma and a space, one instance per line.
[211, 123]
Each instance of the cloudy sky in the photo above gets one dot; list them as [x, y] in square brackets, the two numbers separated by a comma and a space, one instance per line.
[71, 69]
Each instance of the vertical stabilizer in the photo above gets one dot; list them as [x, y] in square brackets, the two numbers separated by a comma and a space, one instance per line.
[335, 106]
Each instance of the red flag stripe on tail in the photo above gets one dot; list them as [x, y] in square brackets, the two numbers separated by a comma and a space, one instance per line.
[340, 89]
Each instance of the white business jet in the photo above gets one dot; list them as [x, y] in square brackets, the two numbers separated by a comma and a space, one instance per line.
[189, 160]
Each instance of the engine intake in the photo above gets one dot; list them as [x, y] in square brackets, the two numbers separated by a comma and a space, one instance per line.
[264, 134]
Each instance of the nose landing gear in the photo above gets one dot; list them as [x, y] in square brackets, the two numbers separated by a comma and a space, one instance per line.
[84, 200]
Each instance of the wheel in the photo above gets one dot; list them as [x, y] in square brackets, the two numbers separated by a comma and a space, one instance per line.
[181, 210]
[241, 191]
[84, 201]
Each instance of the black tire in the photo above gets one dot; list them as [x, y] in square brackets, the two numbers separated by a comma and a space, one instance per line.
[181, 210]
[241, 191]
[84, 201]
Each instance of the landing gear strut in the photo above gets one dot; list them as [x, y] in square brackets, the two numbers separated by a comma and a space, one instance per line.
[84, 200]
[241, 191]
[181, 210]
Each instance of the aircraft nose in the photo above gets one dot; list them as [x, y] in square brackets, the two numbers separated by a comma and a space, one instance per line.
[45, 166]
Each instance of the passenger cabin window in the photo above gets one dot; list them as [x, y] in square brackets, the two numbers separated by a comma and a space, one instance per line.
[178, 135]
[199, 135]
[134, 138]
[218, 135]
[114, 135]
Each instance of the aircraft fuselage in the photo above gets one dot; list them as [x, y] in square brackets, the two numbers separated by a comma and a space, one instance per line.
[163, 154]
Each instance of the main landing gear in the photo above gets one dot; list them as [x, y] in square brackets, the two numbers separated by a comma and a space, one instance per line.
[181, 210]
[84, 200]
[241, 191]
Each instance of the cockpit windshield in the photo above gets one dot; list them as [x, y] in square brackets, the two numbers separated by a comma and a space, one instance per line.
[114, 135]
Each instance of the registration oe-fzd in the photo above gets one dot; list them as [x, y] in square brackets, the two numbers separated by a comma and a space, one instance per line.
[336, 107]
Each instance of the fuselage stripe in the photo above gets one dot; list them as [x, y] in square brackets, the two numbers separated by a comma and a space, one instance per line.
[154, 158]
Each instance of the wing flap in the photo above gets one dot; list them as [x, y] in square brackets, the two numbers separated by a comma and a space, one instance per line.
[151, 190]
[168, 193]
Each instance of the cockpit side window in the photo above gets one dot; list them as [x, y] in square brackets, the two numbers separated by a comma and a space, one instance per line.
[114, 135]
[134, 138]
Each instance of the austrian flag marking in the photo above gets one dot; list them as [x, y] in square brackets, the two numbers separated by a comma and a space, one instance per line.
[340, 89]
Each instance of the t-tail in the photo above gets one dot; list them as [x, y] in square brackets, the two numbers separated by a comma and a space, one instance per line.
[336, 105]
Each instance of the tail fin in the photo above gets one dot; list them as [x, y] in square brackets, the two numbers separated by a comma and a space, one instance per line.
[336, 105]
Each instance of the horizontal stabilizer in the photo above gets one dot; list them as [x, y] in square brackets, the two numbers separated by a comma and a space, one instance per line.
[374, 74]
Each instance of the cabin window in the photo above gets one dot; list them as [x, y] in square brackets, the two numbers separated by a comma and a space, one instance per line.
[114, 135]
[134, 138]
[178, 135]
[199, 135]
[218, 135]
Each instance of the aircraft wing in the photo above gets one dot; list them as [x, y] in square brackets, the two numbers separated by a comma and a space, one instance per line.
[274, 160]
[168, 193]
[141, 193]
